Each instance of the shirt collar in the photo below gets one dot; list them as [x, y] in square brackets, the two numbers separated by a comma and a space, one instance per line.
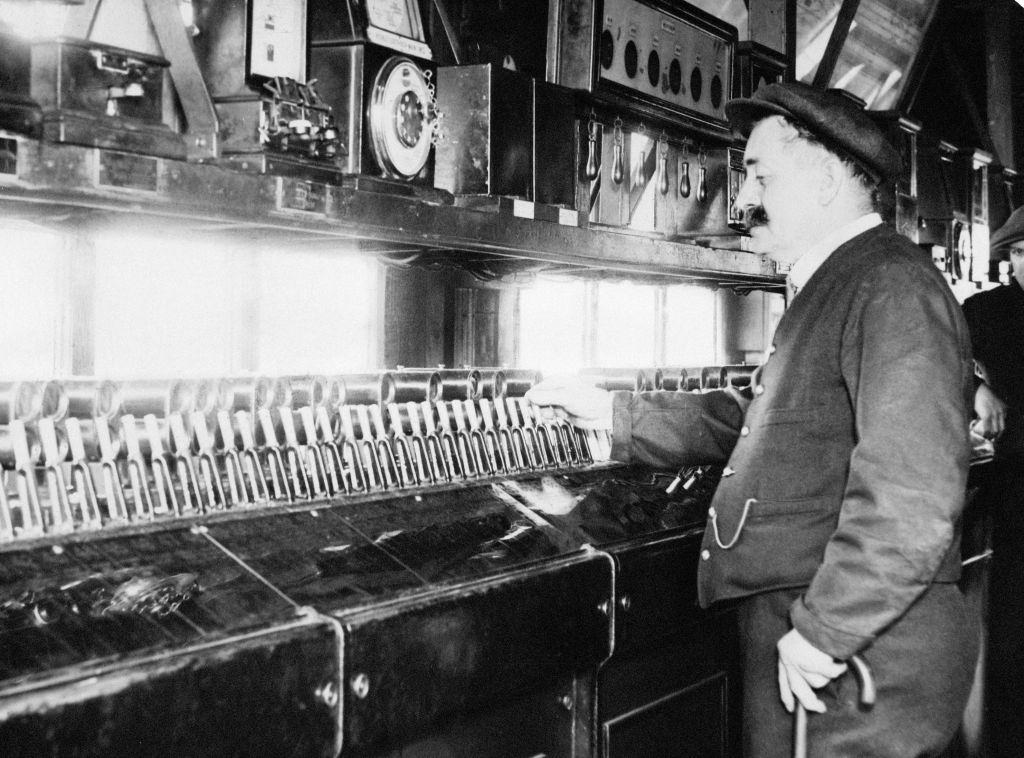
[818, 253]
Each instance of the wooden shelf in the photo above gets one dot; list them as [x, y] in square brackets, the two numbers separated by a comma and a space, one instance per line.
[52, 179]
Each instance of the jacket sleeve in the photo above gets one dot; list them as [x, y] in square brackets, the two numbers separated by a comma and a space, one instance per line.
[674, 429]
[980, 323]
[906, 364]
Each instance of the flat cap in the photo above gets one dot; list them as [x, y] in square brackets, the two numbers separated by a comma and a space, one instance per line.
[1010, 232]
[838, 122]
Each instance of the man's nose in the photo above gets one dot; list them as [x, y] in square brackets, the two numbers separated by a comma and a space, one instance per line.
[745, 198]
[744, 203]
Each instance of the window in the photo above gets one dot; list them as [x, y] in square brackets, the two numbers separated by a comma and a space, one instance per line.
[690, 326]
[567, 325]
[317, 312]
[879, 49]
[163, 307]
[32, 302]
[552, 320]
[625, 330]
[200, 307]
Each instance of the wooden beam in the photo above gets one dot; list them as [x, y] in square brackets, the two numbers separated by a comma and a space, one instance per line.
[844, 21]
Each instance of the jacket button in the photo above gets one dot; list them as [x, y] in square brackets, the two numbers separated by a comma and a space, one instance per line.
[745, 431]
[728, 471]
[772, 349]
[759, 389]
[705, 554]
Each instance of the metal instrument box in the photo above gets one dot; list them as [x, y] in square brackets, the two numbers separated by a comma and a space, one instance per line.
[96, 94]
[941, 205]
[756, 66]
[18, 111]
[502, 133]
[373, 68]
[657, 59]
[486, 144]
[271, 117]
[974, 165]
[954, 207]
[656, 182]
[898, 199]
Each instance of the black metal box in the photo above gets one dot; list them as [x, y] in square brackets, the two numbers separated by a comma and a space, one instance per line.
[502, 133]
[95, 94]
[486, 146]
[18, 111]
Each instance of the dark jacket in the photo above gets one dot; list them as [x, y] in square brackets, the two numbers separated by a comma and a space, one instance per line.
[996, 321]
[851, 464]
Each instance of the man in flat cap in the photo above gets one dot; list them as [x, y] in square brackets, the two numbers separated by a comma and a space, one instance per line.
[835, 525]
[996, 321]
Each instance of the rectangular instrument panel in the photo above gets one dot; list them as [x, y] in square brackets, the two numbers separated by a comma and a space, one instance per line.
[277, 39]
[667, 59]
[664, 57]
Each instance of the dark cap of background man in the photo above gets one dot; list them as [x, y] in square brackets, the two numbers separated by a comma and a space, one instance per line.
[1010, 232]
[838, 122]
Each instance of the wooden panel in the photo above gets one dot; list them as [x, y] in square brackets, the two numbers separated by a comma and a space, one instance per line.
[689, 721]
[414, 310]
[679, 698]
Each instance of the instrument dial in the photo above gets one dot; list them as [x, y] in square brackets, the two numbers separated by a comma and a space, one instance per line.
[716, 91]
[631, 59]
[675, 76]
[653, 68]
[409, 118]
[401, 118]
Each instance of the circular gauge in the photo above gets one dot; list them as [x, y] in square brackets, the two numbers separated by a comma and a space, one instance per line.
[401, 118]
[675, 76]
[630, 58]
[607, 49]
[716, 91]
[653, 68]
[696, 84]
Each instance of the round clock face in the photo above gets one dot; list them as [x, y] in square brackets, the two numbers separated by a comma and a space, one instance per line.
[388, 14]
[401, 118]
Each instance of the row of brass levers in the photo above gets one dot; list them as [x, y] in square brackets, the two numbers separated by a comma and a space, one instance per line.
[185, 466]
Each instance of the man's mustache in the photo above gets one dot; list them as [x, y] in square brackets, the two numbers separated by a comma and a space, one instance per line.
[754, 216]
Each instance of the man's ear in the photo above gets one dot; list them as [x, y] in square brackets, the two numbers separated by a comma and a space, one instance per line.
[833, 174]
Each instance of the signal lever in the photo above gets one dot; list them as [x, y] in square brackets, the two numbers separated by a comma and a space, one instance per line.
[868, 694]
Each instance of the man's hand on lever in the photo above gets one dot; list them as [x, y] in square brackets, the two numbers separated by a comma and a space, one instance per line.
[582, 405]
[802, 669]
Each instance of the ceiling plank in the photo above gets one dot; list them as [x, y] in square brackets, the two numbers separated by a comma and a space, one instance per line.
[844, 20]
